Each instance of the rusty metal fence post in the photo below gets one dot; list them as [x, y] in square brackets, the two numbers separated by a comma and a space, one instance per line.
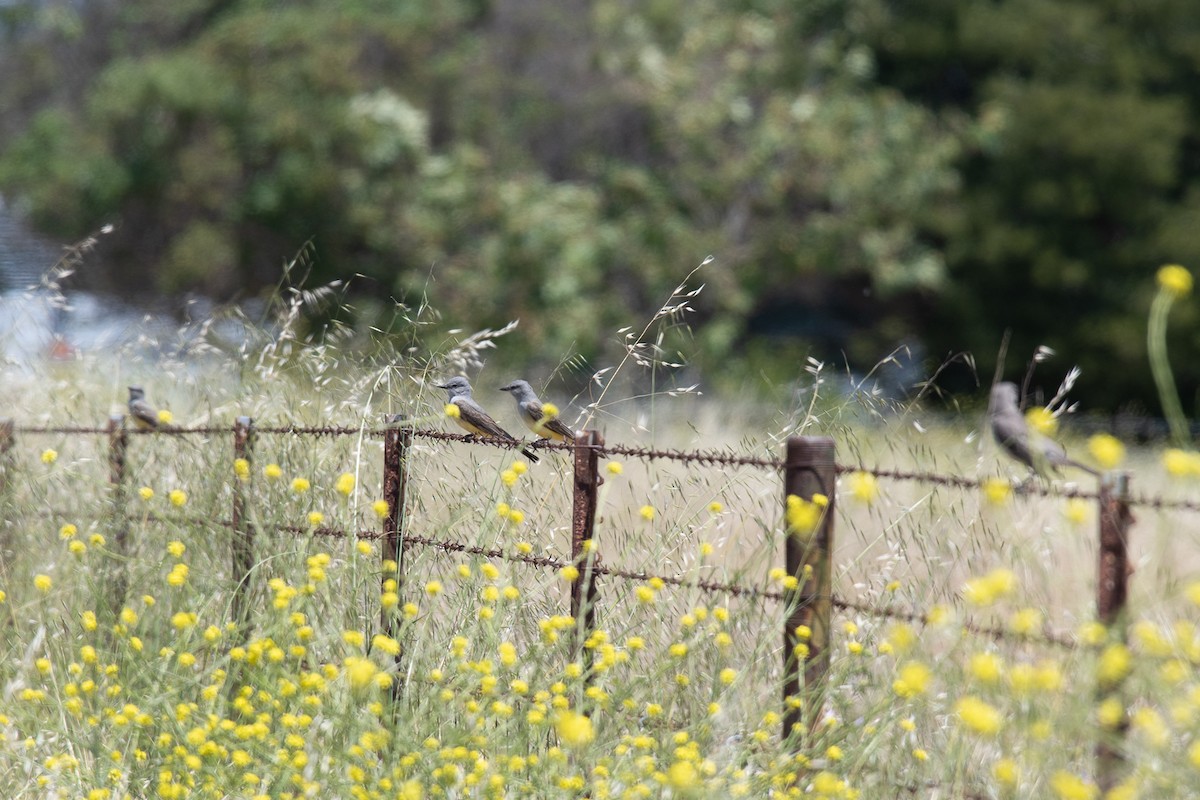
[243, 531]
[1112, 590]
[118, 446]
[583, 526]
[397, 443]
[809, 470]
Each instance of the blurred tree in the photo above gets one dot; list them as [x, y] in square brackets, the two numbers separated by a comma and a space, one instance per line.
[1081, 176]
[562, 162]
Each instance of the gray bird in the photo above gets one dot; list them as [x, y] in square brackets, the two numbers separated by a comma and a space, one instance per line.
[472, 417]
[1039, 453]
[145, 416]
[529, 409]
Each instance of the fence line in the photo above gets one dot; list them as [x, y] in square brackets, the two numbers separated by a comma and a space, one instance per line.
[703, 457]
[715, 587]
[809, 470]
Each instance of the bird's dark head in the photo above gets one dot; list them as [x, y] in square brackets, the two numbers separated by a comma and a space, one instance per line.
[456, 386]
[518, 388]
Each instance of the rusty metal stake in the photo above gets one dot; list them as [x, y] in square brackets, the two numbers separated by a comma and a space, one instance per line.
[583, 527]
[1112, 591]
[118, 446]
[397, 442]
[243, 531]
[808, 471]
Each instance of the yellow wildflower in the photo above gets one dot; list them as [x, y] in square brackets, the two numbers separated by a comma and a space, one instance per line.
[1181, 463]
[997, 491]
[863, 486]
[1175, 280]
[1071, 787]
[913, 679]
[574, 730]
[978, 715]
[344, 484]
[1042, 420]
[1106, 449]
[1115, 663]
[1076, 510]
[991, 587]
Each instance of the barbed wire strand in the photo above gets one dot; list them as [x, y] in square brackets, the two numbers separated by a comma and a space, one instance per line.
[546, 562]
[705, 457]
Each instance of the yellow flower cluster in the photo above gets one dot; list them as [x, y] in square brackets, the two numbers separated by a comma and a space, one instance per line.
[803, 516]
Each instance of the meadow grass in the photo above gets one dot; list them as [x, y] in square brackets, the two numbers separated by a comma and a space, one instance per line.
[125, 674]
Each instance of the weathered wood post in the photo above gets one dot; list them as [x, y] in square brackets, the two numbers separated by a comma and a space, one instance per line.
[583, 545]
[1112, 590]
[118, 446]
[243, 531]
[810, 475]
[397, 442]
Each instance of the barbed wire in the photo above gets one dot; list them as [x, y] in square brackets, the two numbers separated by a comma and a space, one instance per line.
[705, 457]
[548, 562]
[888, 612]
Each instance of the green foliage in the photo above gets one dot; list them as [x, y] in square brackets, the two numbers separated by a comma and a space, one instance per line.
[966, 168]
[530, 160]
[1075, 188]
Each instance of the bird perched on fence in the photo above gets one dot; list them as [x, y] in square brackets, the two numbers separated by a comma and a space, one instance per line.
[1040, 453]
[145, 416]
[471, 416]
[533, 413]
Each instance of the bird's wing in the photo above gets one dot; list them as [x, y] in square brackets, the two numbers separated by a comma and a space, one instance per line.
[475, 419]
[143, 412]
[1011, 434]
[541, 425]
[556, 426]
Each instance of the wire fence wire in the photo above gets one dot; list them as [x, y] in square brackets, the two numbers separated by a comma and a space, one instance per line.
[591, 564]
[710, 458]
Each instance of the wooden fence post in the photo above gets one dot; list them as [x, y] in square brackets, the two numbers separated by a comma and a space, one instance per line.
[243, 531]
[809, 470]
[1112, 590]
[397, 442]
[118, 445]
[583, 526]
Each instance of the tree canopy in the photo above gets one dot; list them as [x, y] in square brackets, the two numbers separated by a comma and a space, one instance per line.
[864, 172]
